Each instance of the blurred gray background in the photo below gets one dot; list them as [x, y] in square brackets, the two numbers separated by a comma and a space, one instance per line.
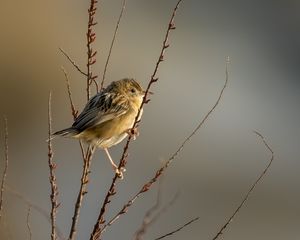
[223, 159]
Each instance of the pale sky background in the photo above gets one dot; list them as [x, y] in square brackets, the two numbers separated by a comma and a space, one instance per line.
[215, 169]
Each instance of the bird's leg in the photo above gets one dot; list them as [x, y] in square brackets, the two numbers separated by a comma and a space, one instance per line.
[133, 132]
[114, 166]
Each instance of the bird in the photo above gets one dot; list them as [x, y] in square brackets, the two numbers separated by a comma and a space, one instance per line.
[108, 117]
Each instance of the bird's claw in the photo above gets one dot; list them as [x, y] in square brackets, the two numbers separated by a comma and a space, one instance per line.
[133, 132]
[120, 171]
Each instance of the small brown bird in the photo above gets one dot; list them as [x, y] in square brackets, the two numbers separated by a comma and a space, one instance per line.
[108, 117]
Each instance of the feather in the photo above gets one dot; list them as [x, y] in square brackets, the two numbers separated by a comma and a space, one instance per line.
[103, 107]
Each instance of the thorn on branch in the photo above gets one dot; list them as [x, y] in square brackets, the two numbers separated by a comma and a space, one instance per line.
[172, 26]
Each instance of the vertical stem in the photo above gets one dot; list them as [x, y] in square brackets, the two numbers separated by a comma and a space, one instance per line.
[52, 178]
[6, 166]
[91, 54]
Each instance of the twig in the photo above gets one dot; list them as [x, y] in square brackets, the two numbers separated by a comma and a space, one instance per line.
[52, 178]
[82, 191]
[97, 228]
[5, 167]
[145, 224]
[149, 220]
[73, 109]
[220, 232]
[91, 54]
[34, 206]
[178, 229]
[112, 44]
[159, 173]
[72, 61]
[27, 222]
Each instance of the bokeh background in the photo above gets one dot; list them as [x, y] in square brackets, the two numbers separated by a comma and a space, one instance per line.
[223, 159]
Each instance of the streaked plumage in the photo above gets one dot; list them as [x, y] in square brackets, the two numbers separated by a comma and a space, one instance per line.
[108, 116]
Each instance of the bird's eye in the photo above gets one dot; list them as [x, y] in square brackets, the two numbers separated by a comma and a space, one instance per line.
[132, 90]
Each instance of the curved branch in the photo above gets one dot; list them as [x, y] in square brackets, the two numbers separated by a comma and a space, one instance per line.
[229, 220]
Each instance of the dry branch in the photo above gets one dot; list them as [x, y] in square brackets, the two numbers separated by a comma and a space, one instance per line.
[82, 191]
[52, 178]
[96, 234]
[112, 43]
[73, 109]
[150, 218]
[28, 222]
[72, 106]
[178, 229]
[220, 232]
[147, 218]
[91, 54]
[5, 167]
[72, 62]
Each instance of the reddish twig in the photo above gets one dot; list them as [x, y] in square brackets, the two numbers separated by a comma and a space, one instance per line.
[73, 109]
[5, 167]
[220, 232]
[91, 54]
[72, 61]
[52, 178]
[178, 229]
[100, 221]
[160, 172]
[112, 43]
[27, 222]
[82, 191]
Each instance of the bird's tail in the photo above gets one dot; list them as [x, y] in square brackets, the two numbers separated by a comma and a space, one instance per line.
[68, 132]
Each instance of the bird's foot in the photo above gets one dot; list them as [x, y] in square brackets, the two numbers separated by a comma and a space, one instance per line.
[133, 132]
[120, 172]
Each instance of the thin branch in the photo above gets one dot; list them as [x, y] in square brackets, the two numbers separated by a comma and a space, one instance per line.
[150, 220]
[73, 109]
[91, 54]
[72, 61]
[112, 43]
[160, 172]
[164, 209]
[145, 224]
[27, 222]
[34, 206]
[5, 167]
[52, 178]
[82, 191]
[229, 220]
[96, 234]
[178, 229]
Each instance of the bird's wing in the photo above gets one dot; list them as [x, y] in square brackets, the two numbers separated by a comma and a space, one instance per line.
[103, 107]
